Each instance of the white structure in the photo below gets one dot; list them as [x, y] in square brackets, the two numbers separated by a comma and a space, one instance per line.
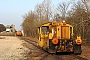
[8, 30]
[22, 32]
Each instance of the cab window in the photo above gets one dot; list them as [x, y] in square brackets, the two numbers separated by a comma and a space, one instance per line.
[45, 29]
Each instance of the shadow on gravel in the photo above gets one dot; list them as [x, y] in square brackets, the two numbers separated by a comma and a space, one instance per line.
[71, 56]
[2, 37]
[64, 53]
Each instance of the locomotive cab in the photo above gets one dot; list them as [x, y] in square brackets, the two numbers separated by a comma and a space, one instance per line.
[44, 36]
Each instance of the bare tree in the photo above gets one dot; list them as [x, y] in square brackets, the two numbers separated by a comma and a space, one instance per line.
[62, 9]
[44, 11]
[86, 4]
[30, 24]
[2, 28]
[33, 19]
[78, 16]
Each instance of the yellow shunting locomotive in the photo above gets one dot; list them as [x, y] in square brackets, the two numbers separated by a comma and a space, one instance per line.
[58, 37]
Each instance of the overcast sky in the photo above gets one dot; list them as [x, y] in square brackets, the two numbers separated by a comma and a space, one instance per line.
[11, 11]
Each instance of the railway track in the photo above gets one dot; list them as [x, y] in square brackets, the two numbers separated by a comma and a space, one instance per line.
[42, 55]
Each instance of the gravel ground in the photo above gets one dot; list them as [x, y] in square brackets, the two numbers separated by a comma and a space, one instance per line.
[11, 48]
[85, 52]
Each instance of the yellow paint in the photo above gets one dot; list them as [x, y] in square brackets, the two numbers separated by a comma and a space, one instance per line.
[59, 32]
[50, 35]
[65, 32]
[62, 31]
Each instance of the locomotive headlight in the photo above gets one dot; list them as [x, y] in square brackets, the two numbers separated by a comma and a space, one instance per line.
[63, 21]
